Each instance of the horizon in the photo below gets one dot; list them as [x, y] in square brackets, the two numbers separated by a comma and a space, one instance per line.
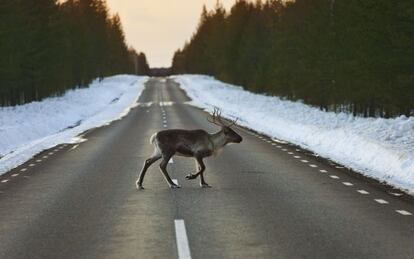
[158, 30]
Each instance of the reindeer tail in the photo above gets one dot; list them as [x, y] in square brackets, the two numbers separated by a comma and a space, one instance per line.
[152, 139]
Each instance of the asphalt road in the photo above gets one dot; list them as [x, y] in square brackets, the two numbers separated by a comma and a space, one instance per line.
[268, 200]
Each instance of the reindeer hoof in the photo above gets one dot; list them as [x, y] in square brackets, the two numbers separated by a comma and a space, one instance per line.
[204, 185]
[139, 186]
[191, 177]
[175, 186]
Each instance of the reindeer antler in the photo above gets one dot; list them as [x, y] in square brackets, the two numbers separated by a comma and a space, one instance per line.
[217, 119]
[233, 122]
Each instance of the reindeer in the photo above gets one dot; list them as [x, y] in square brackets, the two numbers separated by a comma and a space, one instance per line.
[189, 143]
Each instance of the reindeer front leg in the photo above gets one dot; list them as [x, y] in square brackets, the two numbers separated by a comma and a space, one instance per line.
[201, 168]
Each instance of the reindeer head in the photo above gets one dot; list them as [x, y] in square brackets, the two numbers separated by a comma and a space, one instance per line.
[231, 135]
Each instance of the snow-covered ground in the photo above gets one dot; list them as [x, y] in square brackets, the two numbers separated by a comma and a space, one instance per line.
[31, 128]
[380, 148]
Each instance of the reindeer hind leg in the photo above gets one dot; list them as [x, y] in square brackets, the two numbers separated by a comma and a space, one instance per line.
[145, 167]
[163, 167]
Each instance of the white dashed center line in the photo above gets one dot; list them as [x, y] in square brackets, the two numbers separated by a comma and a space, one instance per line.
[23, 170]
[14, 175]
[5, 181]
[175, 181]
[334, 177]
[304, 161]
[73, 148]
[363, 192]
[312, 165]
[39, 160]
[31, 165]
[171, 161]
[296, 156]
[347, 183]
[182, 240]
[404, 212]
[381, 201]
[323, 171]
[50, 153]
[44, 157]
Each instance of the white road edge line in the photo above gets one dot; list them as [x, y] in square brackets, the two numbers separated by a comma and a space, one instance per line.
[74, 147]
[182, 240]
[404, 212]
[381, 201]
[396, 194]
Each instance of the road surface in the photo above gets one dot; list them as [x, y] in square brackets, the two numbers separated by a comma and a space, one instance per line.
[268, 199]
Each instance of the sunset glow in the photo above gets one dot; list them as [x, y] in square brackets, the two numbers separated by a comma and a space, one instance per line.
[159, 27]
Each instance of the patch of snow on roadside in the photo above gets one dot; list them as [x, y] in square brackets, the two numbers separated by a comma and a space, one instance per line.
[28, 129]
[379, 148]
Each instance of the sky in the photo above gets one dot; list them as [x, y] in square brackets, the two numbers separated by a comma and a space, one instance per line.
[160, 27]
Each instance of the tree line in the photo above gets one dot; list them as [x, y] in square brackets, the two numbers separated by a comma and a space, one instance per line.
[49, 46]
[351, 56]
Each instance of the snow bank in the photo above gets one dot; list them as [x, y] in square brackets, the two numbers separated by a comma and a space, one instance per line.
[31, 128]
[379, 148]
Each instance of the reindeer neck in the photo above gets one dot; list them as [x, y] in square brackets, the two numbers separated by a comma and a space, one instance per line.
[218, 139]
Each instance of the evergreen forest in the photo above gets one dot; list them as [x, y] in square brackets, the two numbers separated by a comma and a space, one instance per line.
[49, 46]
[345, 56]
